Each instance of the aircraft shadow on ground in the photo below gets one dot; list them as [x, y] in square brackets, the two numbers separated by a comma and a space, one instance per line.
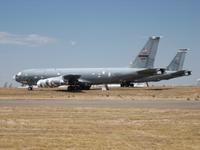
[69, 91]
[158, 89]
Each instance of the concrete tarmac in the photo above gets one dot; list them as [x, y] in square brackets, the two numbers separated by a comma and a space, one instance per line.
[159, 104]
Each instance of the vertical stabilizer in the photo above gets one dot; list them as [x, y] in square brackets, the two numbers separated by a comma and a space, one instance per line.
[146, 57]
[177, 63]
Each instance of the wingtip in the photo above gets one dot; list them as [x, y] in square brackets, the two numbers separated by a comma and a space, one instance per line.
[183, 49]
[155, 37]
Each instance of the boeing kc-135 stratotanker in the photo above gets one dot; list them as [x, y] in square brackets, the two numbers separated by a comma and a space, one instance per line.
[83, 78]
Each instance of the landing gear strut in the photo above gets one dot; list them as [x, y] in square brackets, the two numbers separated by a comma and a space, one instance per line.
[105, 87]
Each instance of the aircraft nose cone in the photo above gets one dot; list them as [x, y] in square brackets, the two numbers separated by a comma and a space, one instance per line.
[16, 77]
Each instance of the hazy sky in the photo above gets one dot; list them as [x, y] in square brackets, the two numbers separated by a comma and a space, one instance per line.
[91, 33]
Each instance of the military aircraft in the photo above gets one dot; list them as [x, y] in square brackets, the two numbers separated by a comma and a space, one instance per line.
[83, 78]
[173, 70]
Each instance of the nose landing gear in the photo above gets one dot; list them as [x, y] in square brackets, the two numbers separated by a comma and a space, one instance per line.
[30, 88]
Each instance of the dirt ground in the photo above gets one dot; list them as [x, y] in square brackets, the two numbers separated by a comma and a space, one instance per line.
[151, 93]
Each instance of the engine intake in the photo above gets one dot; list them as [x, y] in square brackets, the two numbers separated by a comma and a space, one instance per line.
[187, 73]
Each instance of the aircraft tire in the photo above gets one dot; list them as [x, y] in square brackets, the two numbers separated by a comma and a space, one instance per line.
[131, 85]
[30, 88]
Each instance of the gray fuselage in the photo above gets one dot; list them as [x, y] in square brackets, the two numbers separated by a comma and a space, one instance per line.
[90, 75]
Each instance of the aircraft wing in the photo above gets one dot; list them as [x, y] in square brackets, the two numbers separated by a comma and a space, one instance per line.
[71, 79]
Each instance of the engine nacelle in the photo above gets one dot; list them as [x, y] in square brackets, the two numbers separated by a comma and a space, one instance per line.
[161, 71]
[50, 82]
[187, 73]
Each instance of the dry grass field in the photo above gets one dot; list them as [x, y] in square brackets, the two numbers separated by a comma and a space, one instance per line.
[86, 128]
[95, 128]
[151, 93]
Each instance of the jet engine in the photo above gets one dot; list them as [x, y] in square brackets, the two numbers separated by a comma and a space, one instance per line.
[50, 82]
[187, 73]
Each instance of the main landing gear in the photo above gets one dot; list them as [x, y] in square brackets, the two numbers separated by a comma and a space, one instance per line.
[127, 84]
[78, 87]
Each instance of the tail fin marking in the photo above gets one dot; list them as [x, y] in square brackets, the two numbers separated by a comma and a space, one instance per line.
[146, 57]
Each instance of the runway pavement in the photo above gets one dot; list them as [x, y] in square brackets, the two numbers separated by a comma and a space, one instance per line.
[167, 104]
